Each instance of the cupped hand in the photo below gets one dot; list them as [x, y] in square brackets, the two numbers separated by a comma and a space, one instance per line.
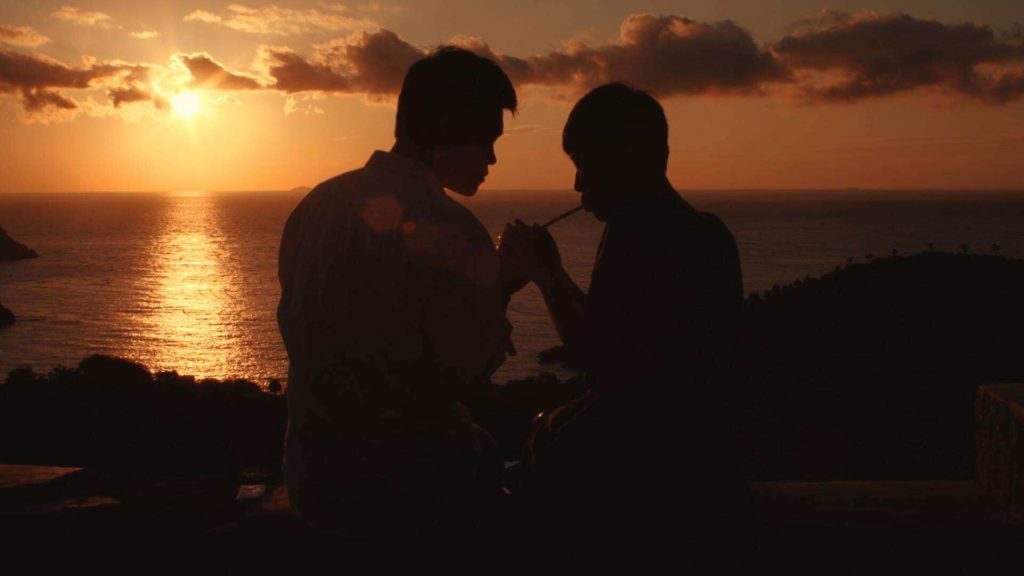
[530, 249]
[514, 274]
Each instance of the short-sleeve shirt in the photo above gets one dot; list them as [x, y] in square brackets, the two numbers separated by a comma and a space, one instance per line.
[391, 311]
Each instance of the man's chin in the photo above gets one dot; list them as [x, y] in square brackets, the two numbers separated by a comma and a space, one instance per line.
[465, 189]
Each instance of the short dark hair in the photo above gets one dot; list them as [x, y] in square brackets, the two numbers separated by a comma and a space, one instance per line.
[620, 119]
[447, 95]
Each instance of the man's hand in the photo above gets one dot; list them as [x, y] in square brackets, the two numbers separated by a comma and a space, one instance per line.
[513, 273]
[546, 250]
[532, 250]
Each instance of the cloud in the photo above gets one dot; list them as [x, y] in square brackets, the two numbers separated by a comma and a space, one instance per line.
[37, 99]
[278, 21]
[83, 17]
[203, 16]
[304, 104]
[832, 57]
[37, 80]
[667, 55]
[21, 36]
[128, 94]
[850, 57]
[19, 71]
[293, 73]
[145, 35]
[372, 62]
[208, 73]
[47, 107]
[135, 86]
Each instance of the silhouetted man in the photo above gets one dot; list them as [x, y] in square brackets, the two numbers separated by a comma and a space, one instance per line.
[393, 313]
[646, 456]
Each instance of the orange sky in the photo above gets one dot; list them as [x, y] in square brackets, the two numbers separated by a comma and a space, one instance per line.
[259, 96]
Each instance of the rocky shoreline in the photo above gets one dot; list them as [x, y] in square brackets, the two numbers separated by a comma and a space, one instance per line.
[11, 249]
[6, 316]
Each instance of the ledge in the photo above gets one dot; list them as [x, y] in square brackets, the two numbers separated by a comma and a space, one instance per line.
[1000, 440]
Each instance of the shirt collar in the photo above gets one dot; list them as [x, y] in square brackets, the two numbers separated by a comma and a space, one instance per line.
[405, 166]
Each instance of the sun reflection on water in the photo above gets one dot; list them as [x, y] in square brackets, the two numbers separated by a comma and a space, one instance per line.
[187, 309]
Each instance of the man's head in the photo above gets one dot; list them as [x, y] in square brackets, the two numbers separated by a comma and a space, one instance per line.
[451, 108]
[617, 137]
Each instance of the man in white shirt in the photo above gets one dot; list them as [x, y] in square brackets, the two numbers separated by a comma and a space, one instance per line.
[393, 314]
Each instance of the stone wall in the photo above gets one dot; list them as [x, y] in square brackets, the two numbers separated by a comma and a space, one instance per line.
[1000, 443]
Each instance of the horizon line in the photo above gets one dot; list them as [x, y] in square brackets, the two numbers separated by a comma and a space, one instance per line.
[305, 189]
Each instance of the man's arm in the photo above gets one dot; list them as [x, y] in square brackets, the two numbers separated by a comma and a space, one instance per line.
[565, 302]
[534, 251]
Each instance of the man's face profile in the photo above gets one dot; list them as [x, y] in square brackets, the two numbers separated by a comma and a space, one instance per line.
[462, 168]
[601, 180]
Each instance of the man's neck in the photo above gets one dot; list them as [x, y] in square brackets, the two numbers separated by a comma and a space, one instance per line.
[409, 149]
[658, 188]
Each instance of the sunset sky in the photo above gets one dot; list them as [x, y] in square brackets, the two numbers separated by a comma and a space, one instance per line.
[203, 95]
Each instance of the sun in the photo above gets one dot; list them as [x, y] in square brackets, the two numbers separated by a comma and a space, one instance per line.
[186, 105]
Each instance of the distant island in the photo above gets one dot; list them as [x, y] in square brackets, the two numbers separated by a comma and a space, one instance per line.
[6, 316]
[301, 190]
[11, 249]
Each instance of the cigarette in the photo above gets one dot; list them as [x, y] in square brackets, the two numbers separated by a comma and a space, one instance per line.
[563, 216]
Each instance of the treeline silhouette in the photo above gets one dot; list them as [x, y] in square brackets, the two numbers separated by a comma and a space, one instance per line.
[115, 415]
[869, 372]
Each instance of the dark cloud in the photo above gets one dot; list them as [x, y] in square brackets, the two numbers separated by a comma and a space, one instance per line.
[39, 99]
[293, 73]
[128, 94]
[373, 62]
[834, 57]
[666, 55]
[19, 71]
[870, 55]
[38, 81]
[208, 73]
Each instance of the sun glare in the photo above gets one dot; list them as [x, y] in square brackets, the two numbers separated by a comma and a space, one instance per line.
[186, 105]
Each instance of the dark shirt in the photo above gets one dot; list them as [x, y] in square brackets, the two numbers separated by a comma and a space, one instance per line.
[648, 450]
[392, 313]
[665, 298]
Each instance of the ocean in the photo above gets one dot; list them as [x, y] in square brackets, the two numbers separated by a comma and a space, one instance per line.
[188, 281]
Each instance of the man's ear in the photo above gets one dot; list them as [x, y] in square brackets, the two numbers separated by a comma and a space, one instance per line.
[443, 127]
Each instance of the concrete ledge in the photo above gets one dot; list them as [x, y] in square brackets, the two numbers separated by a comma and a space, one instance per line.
[961, 505]
[1000, 443]
[15, 475]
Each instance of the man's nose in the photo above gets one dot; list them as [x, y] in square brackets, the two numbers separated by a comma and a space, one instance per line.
[491, 158]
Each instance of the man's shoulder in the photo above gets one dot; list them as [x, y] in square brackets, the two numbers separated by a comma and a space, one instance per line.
[353, 180]
[340, 192]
